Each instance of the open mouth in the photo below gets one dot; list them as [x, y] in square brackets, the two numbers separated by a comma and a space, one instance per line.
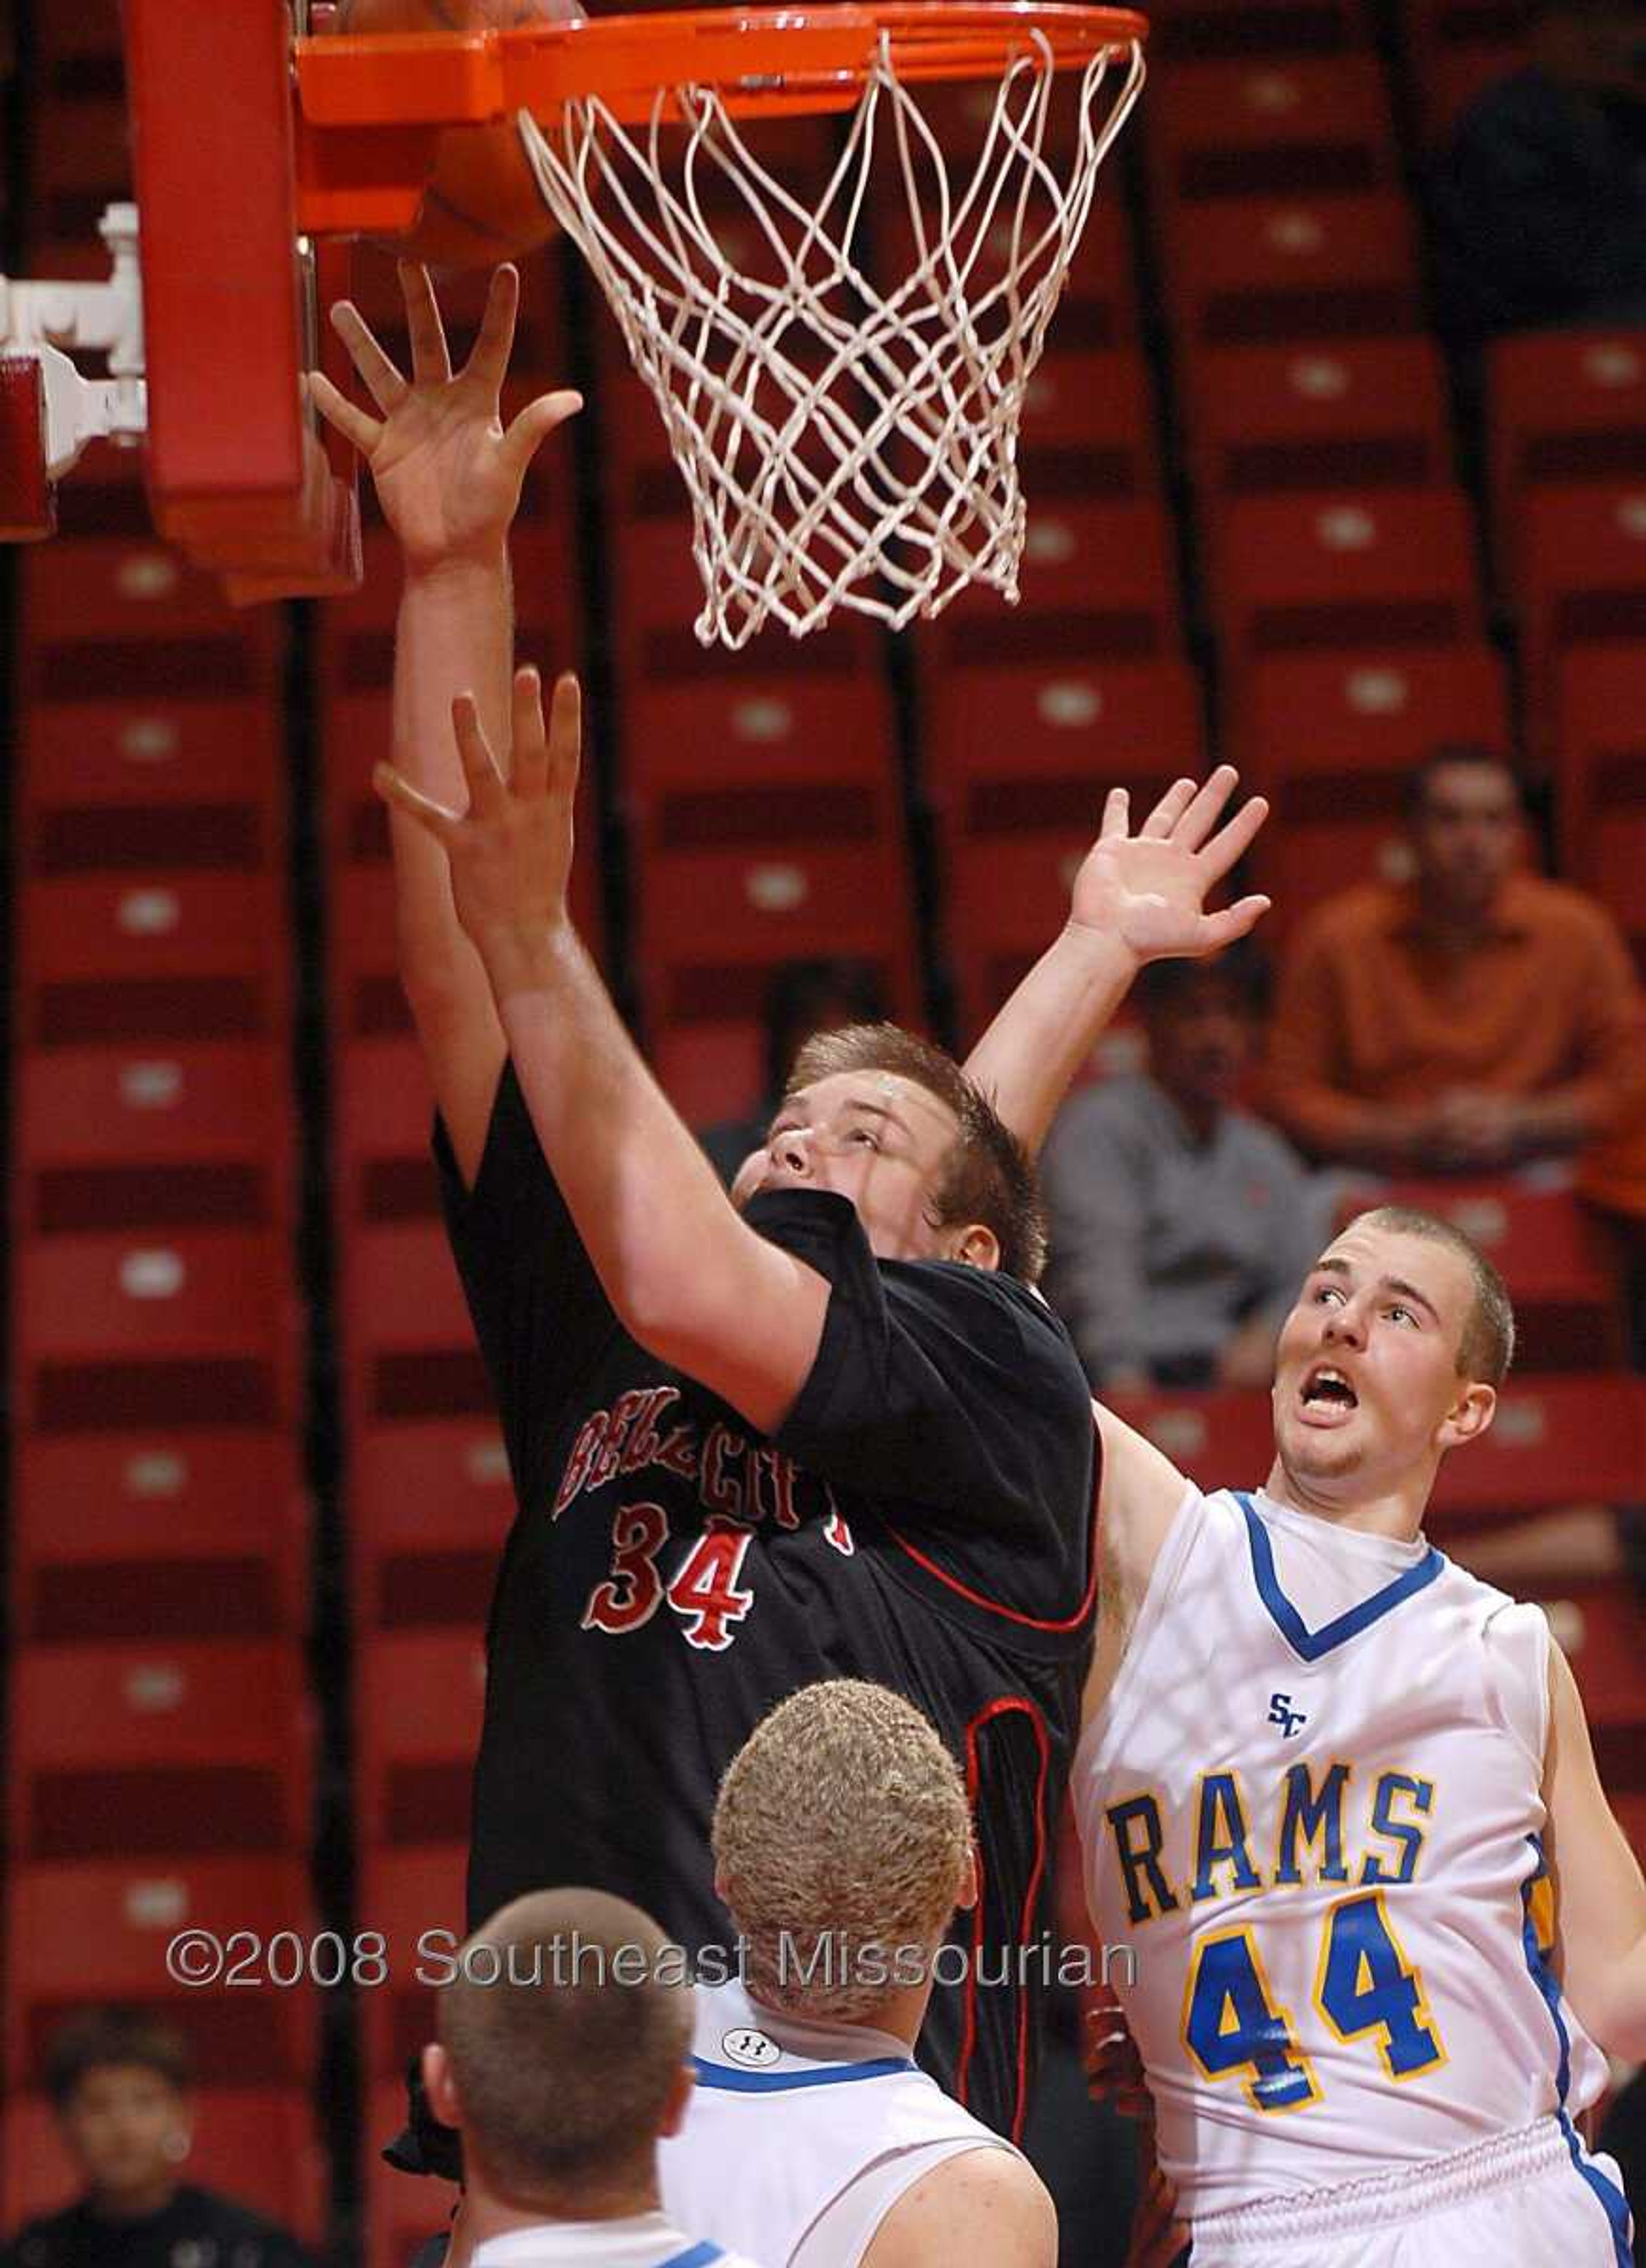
[1327, 1394]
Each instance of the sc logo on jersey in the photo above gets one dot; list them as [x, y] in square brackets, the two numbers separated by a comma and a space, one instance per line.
[750, 2049]
[1280, 1713]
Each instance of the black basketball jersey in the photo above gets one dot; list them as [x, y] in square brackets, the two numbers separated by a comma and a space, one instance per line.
[923, 1520]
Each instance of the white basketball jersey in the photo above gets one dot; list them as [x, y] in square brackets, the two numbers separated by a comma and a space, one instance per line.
[1311, 1806]
[795, 2153]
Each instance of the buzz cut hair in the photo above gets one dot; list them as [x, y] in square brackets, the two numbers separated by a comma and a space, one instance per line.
[563, 2055]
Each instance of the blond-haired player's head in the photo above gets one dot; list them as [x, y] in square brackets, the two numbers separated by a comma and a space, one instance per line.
[1393, 1354]
[842, 1841]
[561, 2048]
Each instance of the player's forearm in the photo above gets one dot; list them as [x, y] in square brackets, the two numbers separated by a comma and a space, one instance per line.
[1028, 1057]
[685, 1276]
[454, 634]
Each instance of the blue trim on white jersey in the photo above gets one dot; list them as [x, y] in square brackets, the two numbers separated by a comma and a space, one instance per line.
[773, 2082]
[1613, 2202]
[698, 2256]
[1309, 1645]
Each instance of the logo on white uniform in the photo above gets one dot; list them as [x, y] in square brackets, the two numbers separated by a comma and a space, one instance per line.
[750, 2049]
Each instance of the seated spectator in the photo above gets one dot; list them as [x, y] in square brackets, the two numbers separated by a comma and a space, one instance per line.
[562, 2059]
[120, 2084]
[1471, 1018]
[803, 996]
[1180, 1225]
[1539, 202]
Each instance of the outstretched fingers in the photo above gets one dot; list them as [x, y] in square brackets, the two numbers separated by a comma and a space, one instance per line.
[430, 361]
[488, 358]
[480, 775]
[1117, 812]
[382, 381]
[1164, 818]
[1231, 843]
[528, 766]
[337, 410]
[1206, 807]
[565, 738]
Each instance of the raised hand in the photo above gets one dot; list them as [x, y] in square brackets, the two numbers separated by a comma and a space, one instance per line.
[510, 850]
[1150, 889]
[447, 472]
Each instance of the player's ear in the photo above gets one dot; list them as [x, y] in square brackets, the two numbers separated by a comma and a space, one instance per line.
[439, 2084]
[977, 1245]
[677, 2102]
[1469, 1415]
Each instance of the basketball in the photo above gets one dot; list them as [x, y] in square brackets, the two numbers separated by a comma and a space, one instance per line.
[481, 204]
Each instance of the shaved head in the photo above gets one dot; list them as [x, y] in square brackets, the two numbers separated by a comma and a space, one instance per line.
[565, 2028]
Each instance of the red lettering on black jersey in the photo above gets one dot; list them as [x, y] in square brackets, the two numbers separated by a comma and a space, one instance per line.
[625, 1410]
[706, 1593]
[678, 1452]
[836, 1532]
[642, 1444]
[590, 1433]
[630, 1592]
[718, 1491]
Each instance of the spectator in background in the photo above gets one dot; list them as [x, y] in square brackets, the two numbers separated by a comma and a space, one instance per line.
[803, 996]
[120, 2084]
[1539, 202]
[1181, 1226]
[1471, 1018]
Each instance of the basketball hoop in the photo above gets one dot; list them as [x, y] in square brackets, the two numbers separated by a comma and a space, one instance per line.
[846, 440]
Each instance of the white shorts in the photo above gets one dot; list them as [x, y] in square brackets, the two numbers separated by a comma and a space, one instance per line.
[1535, 2199]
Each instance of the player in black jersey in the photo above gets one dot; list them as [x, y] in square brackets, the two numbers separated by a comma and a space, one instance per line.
[840, 1435]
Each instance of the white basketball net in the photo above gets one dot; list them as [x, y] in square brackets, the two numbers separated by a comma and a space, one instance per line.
[844, 444]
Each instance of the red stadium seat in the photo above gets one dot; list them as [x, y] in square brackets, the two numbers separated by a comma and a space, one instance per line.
[131, 1748]
[1331, 739]
[1601, 781]
[658, 594]
[1543, 1245]
[1581, 569]
[1256, 269]
[1098, 307]
[1601, 1629]
[420, 1698]
[775, 803]
[79, 1934]
[1361, 571]
[1099, 580]
[158, 1536]
[257, 2146]
[173, 1105]
[1566, 406]
[1350, 414]
[1302, 126]
[1018, 762]
[1087, 427]
[429, 1507]
[167, 749]
[414, 1900]
[106, 619]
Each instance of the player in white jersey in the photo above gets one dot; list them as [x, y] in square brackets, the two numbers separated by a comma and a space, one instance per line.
[842, 1846]
[1328, 1783]
[563, 2032]
[1324, 1782]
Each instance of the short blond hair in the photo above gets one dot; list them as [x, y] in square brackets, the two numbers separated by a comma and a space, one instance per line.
[564, 2060]
[843, 1817]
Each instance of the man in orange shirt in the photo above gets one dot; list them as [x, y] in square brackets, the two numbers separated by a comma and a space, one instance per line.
[1471, 1018]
